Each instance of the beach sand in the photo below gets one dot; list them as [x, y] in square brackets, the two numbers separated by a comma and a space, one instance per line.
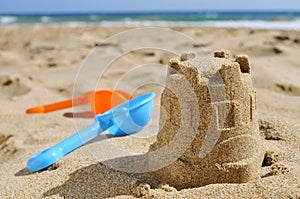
[39, 65]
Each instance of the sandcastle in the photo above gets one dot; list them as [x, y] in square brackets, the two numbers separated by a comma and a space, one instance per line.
[211, 129]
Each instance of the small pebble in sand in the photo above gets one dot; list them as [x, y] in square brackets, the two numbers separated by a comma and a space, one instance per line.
[222, 54]
[187, 56]
[270, 158]
[279, 168]
[282, 37]
[142, 190]
[167, 188]
[243, 60]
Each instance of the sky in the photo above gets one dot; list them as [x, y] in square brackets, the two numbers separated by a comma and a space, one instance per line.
[57, 6]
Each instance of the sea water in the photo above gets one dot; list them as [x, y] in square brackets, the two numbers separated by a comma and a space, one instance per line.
[256, 19]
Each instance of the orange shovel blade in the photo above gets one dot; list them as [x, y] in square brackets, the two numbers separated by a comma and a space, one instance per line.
[102, 101]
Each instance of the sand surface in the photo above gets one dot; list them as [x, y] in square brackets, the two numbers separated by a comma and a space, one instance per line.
[39, 65]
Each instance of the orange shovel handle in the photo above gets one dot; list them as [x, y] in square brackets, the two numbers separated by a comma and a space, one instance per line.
[58, 105]
[100, 101]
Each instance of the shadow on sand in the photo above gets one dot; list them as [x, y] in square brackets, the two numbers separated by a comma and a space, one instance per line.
[101, 181]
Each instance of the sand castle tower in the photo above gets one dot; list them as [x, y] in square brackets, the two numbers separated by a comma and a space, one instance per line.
[219, 142]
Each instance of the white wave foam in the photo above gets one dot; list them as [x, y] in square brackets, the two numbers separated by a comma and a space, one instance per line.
[257, 24]
[45, 19]
[6, 20]
[284, 25]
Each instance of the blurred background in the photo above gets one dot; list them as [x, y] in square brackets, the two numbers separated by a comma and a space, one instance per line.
[131, 13]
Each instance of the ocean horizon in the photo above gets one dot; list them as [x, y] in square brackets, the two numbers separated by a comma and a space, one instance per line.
[287, 20]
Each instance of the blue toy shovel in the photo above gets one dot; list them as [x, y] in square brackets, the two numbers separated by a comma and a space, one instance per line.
[125, 119]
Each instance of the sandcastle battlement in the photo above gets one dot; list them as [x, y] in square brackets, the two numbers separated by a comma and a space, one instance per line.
[211, 103]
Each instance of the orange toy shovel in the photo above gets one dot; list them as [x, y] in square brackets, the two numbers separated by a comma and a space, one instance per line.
[99, 101]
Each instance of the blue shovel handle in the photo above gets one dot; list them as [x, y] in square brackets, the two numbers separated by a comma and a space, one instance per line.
[51, 155]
